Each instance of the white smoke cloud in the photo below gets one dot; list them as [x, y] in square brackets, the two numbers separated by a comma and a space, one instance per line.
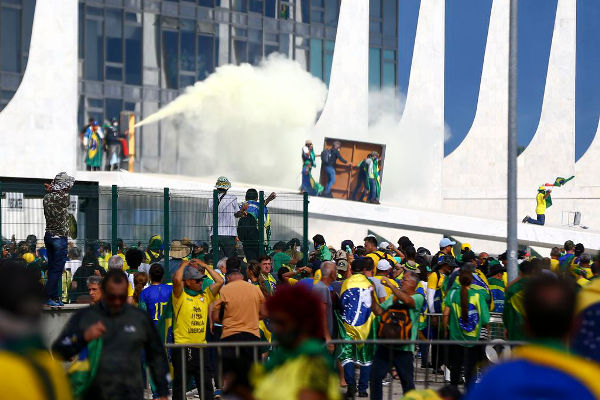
[246, 122]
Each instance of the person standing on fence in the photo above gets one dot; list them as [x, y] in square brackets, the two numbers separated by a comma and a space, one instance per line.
[123, 332]
[56, 212]
[228, 211]
[239, 309]
[300, 367]
[544, 369]
[190, 319]
[465, 313]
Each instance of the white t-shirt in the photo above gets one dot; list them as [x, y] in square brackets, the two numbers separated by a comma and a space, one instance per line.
[228, 206]
[73, 265]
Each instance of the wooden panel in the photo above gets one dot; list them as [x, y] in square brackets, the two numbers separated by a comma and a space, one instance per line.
[346, 175]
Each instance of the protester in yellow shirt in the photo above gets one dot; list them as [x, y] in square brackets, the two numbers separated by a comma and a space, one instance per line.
[540, 208]
[190, 315]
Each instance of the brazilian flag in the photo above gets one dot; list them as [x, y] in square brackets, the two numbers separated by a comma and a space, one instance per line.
[514, 310]
[83, 371]
[356, 321]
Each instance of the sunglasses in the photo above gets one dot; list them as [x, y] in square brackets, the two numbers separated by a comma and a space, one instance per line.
[114, 297]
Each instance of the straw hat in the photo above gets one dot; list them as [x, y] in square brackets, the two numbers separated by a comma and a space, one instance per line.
[178, 250]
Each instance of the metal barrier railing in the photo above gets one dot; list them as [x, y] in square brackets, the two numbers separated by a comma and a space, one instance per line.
[256, 346]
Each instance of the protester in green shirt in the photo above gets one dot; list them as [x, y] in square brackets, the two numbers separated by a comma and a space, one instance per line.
[465, 313]
[281, 258]
[400, 356]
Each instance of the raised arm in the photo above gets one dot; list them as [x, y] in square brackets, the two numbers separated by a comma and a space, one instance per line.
[399, 293]
[178, 279]
[214, 275]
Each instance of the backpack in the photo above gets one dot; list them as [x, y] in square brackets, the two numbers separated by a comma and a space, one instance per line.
[247, 229]
[327, 157]
[395, 323]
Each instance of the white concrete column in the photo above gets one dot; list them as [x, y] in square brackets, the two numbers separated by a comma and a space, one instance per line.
[39, 125]
[415, 151]
[472, 169]
[345, 114]
[551, 152]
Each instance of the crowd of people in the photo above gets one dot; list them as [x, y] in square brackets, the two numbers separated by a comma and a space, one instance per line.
[342, 322]
[368, 181]
[104, 146]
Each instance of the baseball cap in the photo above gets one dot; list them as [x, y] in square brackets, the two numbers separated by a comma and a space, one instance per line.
[384, 265]
[192, 273]
[445, 242]
[342, 265]
[465, 246]
[340, 255]
[384, 245]
[447, 259]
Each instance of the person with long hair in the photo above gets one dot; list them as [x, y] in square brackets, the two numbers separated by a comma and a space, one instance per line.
[301, 359]
[465, 312]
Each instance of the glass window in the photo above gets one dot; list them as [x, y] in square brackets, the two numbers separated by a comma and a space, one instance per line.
[187, 25]
[389, 55]
[374, 68]
[113, 108]
[255, 6]
[170, 45]
[389, 17]
[129, 106]
[317, 16]
[133, 55]
[81, 43]
[188, 58]
[114, 35]
[133, 17]
[270, 49]
[28, 8]
[316, 58]
[331, 12]
[254, 35]
[305, 11]
[204, 58]
[114, 73]
[239, 5]
[284, 44]
[186, 80]
[254, 53]
[374, 26]
[328, 61]
[94, 63]
[317, 3]
[239, 52]
[389, 74]
[206, 3]
[94, 11]
[10, 34]
[270, 8]
[375, 8]
[95, 103]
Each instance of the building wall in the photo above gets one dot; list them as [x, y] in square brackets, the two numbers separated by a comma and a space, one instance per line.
[138, 56]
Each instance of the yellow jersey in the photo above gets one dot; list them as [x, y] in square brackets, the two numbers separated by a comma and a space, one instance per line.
[190, 315]
[541, 204]
[388, 291]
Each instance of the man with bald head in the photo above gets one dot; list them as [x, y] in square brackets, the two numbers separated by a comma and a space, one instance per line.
[321, 288]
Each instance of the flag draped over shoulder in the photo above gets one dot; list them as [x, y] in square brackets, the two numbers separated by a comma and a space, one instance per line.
[514, 310]
[356, 321]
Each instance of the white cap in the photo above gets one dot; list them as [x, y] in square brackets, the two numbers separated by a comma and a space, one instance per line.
[384, 265]
[384, 245]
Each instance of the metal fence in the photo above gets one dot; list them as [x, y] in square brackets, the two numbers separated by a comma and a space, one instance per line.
[423, 377]
[110, 220]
